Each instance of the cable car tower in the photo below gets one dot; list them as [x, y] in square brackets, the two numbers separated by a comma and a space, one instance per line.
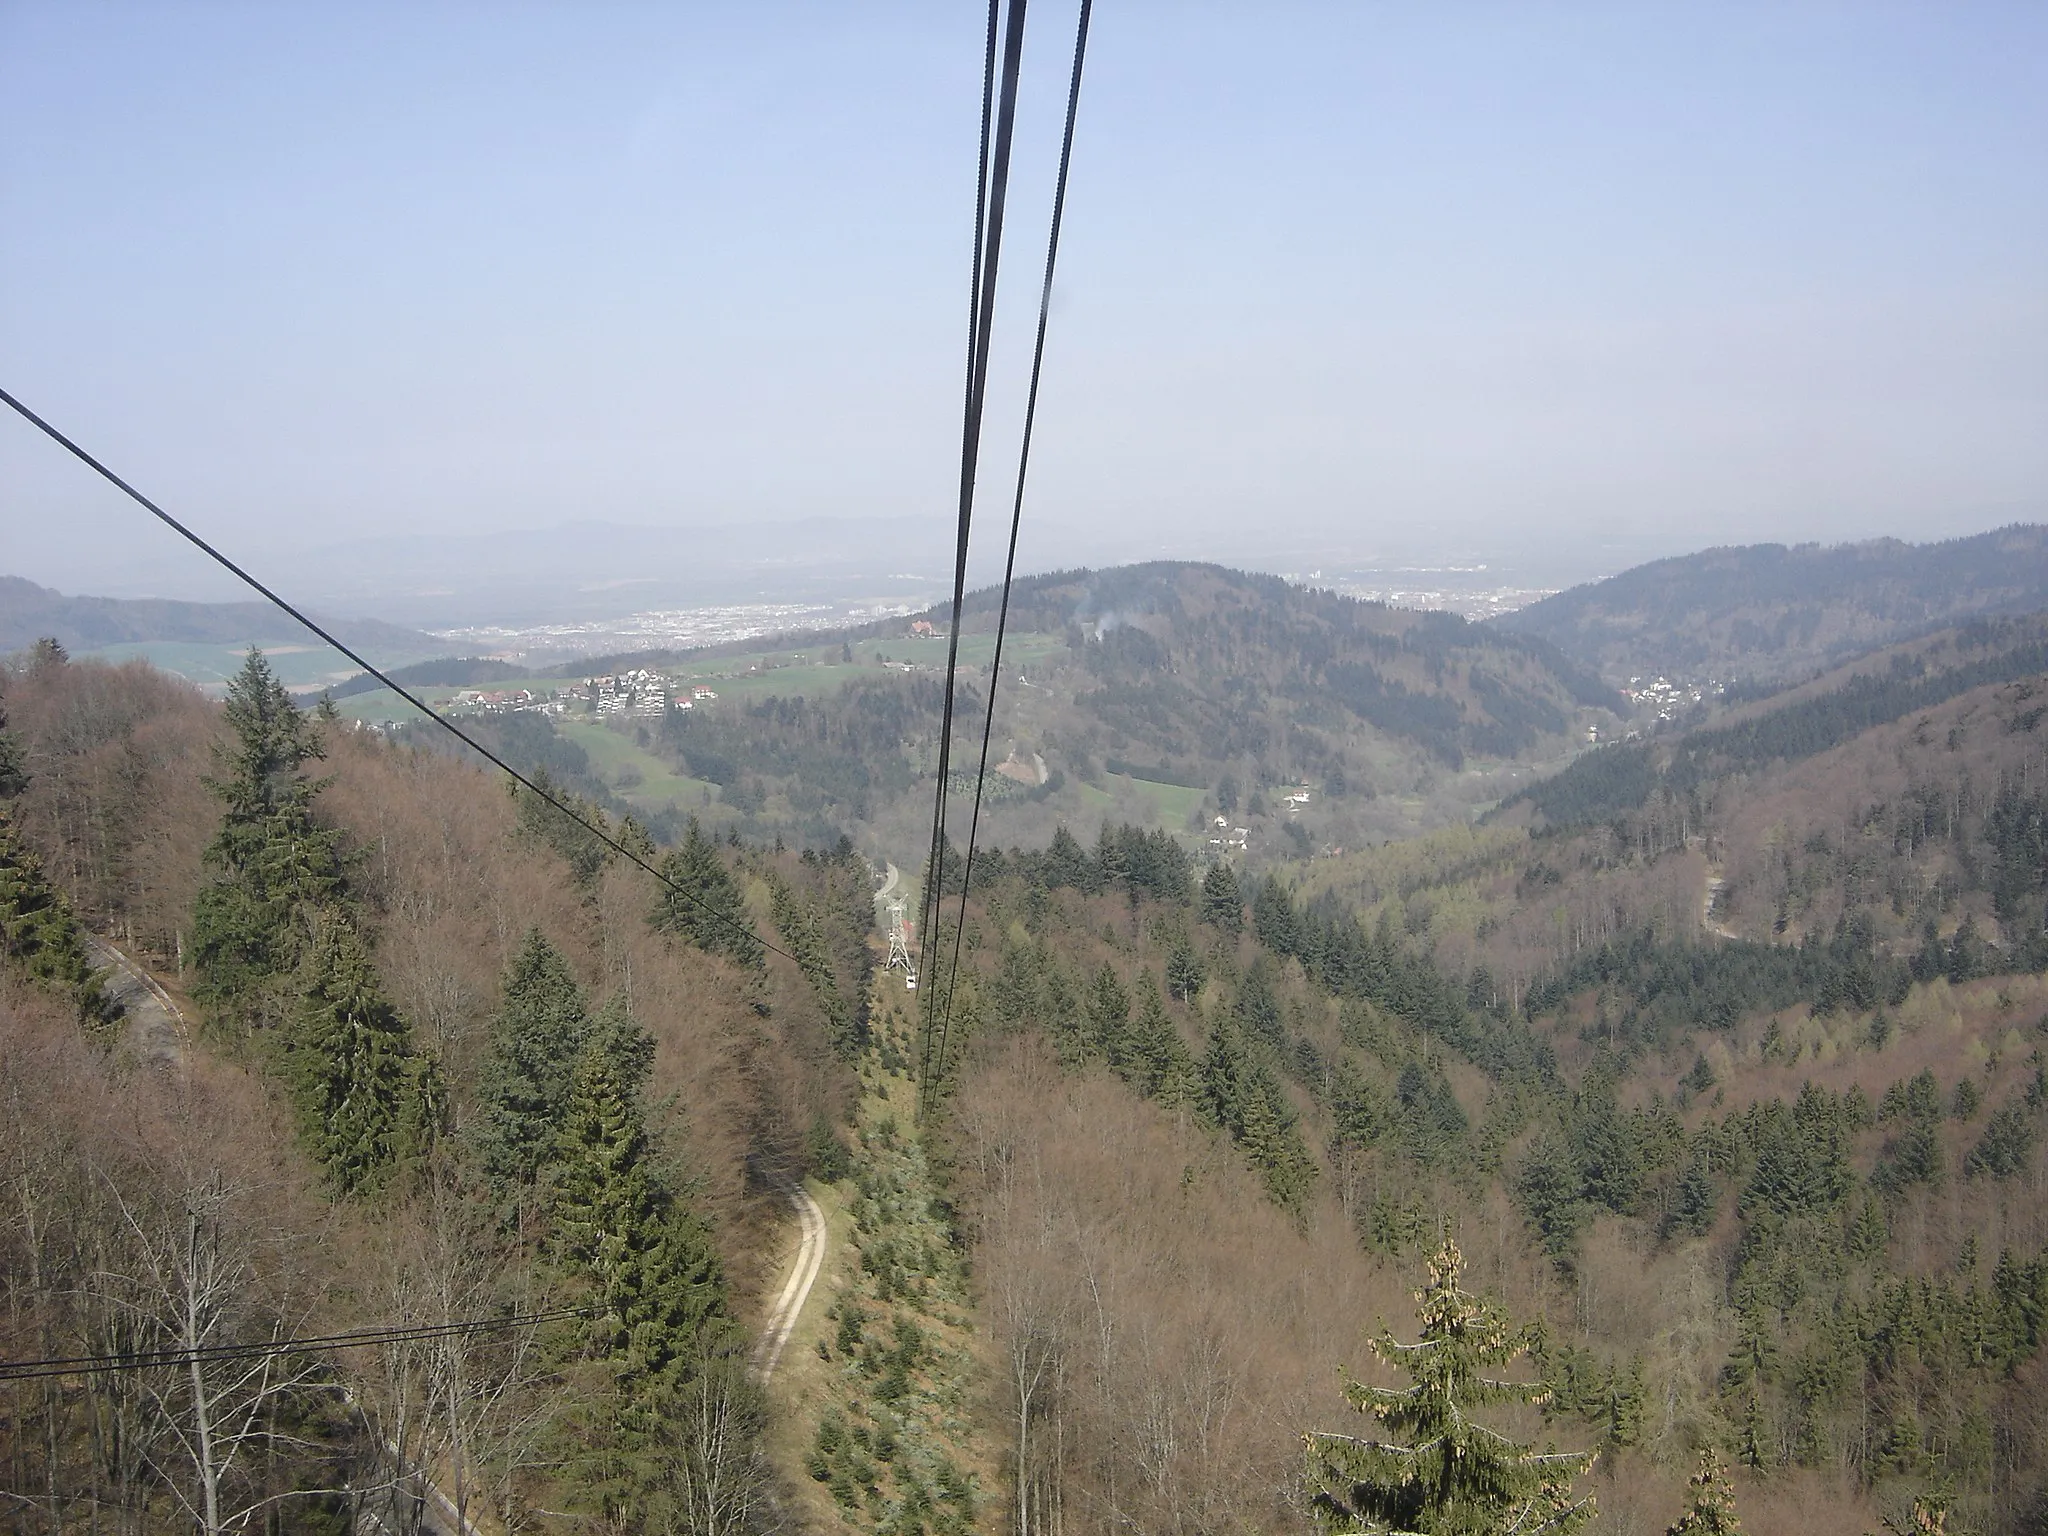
[899, 946]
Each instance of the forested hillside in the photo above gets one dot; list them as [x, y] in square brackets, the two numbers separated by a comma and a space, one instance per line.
[1796, 1224]
[1763, 613]
[443, 1062]
[1712, 1121]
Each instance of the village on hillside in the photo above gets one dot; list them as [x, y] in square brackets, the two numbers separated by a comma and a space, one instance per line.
[637, 694]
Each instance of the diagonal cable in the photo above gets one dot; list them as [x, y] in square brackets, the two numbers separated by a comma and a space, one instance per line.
[1052, 252]
[211, 1354]
[404, 693]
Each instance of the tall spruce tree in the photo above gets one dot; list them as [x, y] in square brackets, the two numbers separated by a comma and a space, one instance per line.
[1184, 970]
[1162, 1067]
[1241, 1093]
[659, 1318]
[523, 1084]
[659, 1288]
[1444, 1474]
[366, 1101]
[1711, 1508]
[39, 933]
[803, 935]
[1109, 1016]
[702, 901]
[1222, 900]
[586, 854]
[272, 864]
[13, 770]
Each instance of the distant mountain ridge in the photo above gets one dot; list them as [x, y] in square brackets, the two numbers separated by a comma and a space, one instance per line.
[29, 612]
[1229, 645]
[1771, 614]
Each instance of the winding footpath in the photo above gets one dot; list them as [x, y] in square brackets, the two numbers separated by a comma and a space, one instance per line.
[789, 1306]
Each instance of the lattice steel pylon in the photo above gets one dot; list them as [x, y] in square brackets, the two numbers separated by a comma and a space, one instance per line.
[899, 947]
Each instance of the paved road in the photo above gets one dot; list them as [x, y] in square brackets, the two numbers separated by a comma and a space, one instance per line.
[789, 1306]
[156, 1029]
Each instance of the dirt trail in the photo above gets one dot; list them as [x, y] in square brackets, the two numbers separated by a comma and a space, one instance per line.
[156, 1027]
[1710, 894]
[158, 1034]
[789, 1306]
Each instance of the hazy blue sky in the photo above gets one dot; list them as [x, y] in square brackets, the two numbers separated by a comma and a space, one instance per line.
[1420, 278]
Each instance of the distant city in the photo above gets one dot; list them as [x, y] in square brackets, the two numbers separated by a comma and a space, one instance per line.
[1471, 591]
[664, 629]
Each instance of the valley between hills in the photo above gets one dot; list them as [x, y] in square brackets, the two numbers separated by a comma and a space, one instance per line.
[386, 1151]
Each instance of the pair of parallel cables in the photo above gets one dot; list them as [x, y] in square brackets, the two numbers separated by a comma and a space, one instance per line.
[222, 1354]
[991, 193]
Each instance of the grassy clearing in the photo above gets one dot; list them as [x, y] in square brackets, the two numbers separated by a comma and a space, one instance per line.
[634, 772]
[1170, 805]
[819, 670]
[1176, 802]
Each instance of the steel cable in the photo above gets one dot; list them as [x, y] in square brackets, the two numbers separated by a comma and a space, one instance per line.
[987, 266]
[1052, 251]
[404, 693]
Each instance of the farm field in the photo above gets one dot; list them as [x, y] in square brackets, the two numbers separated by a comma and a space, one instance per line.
[636, 774]
[818, 670]
[1172, 804]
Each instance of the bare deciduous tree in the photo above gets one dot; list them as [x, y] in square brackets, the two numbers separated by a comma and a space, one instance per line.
[193, 1293]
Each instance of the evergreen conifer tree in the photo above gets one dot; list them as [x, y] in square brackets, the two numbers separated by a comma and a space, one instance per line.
[1625, 1395]
[1222, 900]
[523, 1083]
[702, 901]
[2007, 1144]
[580, 848]
[1164, 1069]
[1711, 1510]
[365, 1101]
[1692, 1208]
[1755, 1432]
[1109, 1016]
[39, 934]
[797, 921]
[272, 863]
[1868, 1231]
[1184, 975]
[1274, 1147]
[1067, 863]
[13, 772]
[659, 1289]
[1443, 1474]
